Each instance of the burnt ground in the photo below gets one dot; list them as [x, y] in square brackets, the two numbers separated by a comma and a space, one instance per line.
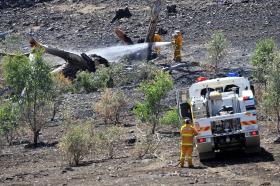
[85, 24]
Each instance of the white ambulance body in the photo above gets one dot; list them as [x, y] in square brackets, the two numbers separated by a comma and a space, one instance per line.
[223, 111]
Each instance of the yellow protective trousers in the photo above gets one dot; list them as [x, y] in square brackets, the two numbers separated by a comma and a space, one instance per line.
[177, 55]
[157, 38]
[186, 150]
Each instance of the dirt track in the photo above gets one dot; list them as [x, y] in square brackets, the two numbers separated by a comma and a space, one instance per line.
[85, 25]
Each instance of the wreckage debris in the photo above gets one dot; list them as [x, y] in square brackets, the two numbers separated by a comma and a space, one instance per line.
[75, 62]
[162, 31]
[121, 13]
[123, 37]
[171, 9]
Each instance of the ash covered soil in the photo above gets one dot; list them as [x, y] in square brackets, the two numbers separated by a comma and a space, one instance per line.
[84, 25]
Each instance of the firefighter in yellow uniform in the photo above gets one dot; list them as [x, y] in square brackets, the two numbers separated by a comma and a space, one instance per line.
[177, 41]
[187, 135]
[157, 38]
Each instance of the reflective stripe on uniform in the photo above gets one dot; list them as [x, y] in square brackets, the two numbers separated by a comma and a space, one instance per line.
[187, 144]
[187, 135]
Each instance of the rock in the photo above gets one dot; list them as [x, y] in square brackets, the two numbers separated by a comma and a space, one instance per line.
[121, 13]
[265, 183]
[171, 9]
[25, 23]
[131, 141]
[277, 140]
[9, 178]
[162, 31]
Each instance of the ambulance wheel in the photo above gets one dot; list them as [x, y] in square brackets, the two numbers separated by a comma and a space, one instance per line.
[206, 156]
[253, 150]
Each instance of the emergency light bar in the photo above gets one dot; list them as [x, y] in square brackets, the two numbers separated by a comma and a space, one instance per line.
[248, 98]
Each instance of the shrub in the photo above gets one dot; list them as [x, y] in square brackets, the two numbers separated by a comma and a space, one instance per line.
[146, 145]
[154, 91]
[61, 83]
[262, 59]
[111, 104]
[272, 94]
[217, 49]
[9, 118]
[75, 144]
[108, 139]
[146, 71]
[170, 118]
[91, 82]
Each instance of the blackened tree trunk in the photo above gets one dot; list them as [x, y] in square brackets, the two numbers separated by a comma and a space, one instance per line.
[152, 27]
[35, 137]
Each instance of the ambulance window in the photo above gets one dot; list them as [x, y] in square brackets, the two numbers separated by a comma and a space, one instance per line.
[219, 89]
[204, 91]
[231, 87]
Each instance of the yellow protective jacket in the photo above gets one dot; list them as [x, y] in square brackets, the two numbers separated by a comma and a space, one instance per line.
[187, 134]
[179, 41]
[157, 38]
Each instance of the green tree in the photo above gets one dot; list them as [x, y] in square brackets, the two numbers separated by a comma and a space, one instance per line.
[262, 58]
[9, 118]
[272, 95]
[154, 91]
[38, 95]
[31, 83]
[217, 49]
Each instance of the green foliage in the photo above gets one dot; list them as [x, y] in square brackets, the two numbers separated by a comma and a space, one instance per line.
[16, 70]
[217, 49]
[272, 94]
[262, 58]
[170, 118]
[154, 91]
[111, 104]
[9, 118]
[75, 143]
[104, 77]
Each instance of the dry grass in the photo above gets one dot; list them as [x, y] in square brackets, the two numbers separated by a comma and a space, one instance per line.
[111, 104]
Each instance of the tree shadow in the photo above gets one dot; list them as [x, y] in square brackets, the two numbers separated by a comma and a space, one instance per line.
[238, 157]
[90, 162]
[40, 145]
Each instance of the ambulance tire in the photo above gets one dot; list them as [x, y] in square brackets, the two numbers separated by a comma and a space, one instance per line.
[253, 150]
[206, 156]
